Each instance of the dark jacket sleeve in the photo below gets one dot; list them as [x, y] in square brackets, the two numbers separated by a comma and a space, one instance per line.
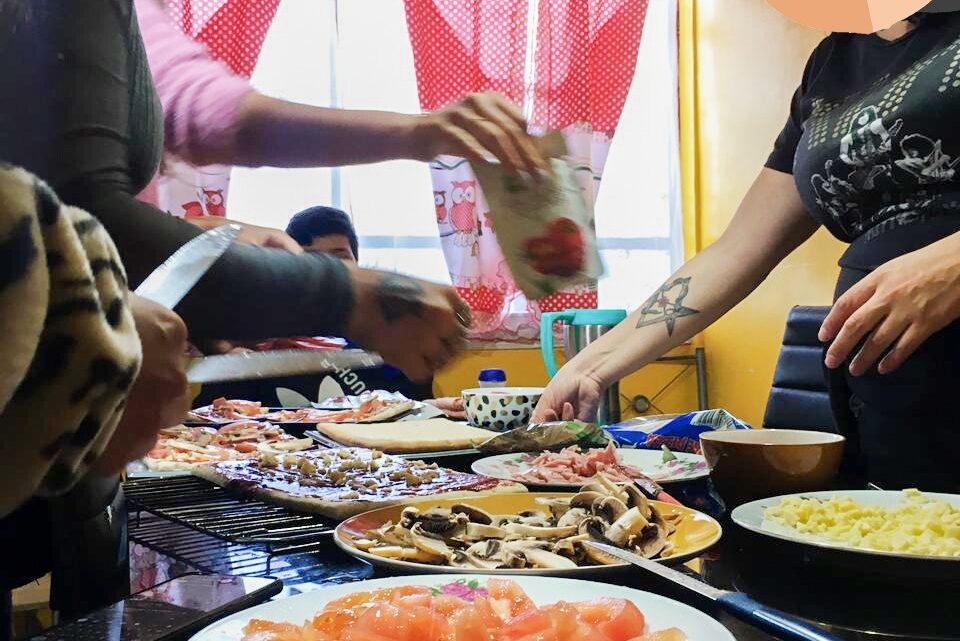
[79, 110]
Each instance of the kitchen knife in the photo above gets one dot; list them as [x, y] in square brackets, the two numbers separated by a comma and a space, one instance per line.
[170, 282]
[285, 362]
[738, 604]
[653, 490]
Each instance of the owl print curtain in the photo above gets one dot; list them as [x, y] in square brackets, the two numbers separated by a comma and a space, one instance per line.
[568, 64]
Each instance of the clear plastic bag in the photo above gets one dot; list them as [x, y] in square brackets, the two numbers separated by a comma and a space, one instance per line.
[545, 436]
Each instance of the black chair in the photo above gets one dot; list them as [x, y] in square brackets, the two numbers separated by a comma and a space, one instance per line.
[799, 399]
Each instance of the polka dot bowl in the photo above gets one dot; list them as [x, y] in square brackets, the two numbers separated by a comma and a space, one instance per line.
[500, 408]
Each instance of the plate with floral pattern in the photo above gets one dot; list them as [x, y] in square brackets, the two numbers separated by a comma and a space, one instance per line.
[652, 463]
[660, 613]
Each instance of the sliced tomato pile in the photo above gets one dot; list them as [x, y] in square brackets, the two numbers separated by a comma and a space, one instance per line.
[501, 613]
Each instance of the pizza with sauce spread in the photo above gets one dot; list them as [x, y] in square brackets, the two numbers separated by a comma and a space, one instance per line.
[228, 411]
[184, 448]
[342, 482]
[371, 409]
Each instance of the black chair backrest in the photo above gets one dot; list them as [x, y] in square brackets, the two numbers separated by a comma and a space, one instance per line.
[799, 398]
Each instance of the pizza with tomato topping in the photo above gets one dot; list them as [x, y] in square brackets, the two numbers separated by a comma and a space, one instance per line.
[228, 411]
[373, 408]
[339, 483]
[183, 448]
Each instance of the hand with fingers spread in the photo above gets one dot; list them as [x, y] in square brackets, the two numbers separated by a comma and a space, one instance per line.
[893, 310]
[416, 325]
[480, 126]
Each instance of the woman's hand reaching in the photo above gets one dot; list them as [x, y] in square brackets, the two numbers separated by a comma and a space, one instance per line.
[569, 395]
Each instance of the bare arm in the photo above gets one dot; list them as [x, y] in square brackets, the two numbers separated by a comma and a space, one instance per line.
[770, 223]
[214, 116]
[279, 133]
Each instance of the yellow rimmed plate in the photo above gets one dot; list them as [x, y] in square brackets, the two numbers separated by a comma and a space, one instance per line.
[695, 534]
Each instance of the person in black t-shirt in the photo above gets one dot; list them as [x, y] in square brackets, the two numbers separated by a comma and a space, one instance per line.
[871, 150]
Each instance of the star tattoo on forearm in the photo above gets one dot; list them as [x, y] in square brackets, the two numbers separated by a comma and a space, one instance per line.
[666, 305]
[399, 296]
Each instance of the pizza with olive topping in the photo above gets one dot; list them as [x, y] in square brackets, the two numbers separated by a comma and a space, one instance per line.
[338, 483]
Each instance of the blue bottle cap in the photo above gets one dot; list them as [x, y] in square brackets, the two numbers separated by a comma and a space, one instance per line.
[493, 376]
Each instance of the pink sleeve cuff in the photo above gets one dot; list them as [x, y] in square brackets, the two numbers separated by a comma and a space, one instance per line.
[201, 97]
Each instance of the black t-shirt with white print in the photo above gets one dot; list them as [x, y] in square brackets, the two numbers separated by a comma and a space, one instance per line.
[873, 139]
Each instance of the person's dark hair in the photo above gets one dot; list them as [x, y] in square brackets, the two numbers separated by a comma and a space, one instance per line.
[322, 221]
[941, 6]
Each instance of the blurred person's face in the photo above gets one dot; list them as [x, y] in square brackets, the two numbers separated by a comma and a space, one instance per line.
[857, 16]
[335, 244]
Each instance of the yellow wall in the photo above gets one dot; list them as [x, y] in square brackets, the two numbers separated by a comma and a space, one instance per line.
[743, 61]
[740, 63]
[525, 367]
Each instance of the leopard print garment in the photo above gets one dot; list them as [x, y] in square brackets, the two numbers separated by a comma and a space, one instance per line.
[69, 349]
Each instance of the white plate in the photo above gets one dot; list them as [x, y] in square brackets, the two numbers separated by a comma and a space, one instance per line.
[659, 611]
[752, 517]
[686, 467]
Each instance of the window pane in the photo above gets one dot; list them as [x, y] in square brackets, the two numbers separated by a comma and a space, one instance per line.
[391, 198]
[638, 210]
[634, 275]
[330, 53]
[294, 64]
[270, 197]
[425, 263]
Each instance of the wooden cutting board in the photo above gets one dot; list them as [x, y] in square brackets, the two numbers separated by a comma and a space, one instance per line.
[406, 437]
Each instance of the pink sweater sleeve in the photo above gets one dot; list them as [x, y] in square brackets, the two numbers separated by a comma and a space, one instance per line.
[201, 97]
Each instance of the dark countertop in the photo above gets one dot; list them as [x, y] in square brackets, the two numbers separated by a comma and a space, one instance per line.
[856, 606]
[824, 588]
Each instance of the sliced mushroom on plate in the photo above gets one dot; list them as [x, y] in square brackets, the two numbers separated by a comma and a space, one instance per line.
[465, 536]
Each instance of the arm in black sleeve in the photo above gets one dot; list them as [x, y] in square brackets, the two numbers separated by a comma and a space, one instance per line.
[251, 292]
[102, 143]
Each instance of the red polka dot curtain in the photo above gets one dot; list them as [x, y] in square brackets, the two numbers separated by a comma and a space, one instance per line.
[233, 30]
[568, 64]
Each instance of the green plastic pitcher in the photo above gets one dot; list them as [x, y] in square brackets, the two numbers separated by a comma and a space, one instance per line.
[580, 328]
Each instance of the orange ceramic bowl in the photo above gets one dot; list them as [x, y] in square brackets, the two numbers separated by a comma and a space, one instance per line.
[753, 464]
